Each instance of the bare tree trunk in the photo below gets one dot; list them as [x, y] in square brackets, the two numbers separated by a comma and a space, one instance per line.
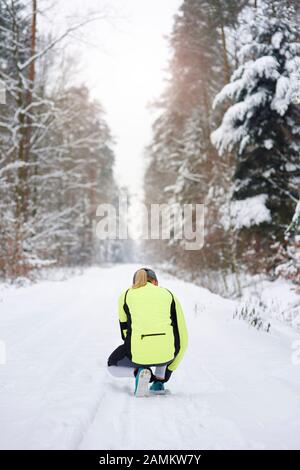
[19, 156]
[225, 56]
[31, 74]
[29, 93]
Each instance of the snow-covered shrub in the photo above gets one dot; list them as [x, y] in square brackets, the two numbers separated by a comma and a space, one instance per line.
[289, 267]
[254, 314]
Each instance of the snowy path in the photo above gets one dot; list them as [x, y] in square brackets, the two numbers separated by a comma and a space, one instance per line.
[236, 387]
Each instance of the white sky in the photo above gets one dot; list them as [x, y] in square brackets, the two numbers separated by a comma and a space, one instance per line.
[124, 62]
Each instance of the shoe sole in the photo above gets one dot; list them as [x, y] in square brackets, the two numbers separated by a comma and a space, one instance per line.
[142, 389]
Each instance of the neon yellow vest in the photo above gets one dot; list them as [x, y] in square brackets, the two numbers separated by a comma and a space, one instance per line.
[152, 331]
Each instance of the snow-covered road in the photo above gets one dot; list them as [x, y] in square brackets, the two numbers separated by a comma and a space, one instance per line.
[236, 387]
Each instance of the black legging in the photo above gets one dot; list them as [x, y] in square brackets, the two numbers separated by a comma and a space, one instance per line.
[119, 365]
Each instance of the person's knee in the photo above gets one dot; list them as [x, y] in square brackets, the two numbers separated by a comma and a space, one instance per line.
[116, 356]
[111, 362]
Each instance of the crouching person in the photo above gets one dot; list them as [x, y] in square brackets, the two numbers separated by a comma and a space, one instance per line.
[154, 333]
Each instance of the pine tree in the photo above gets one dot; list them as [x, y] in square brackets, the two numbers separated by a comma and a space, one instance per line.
[224, 14]
[183, 165]
[186, 102]
[262, 125]
[185, 108]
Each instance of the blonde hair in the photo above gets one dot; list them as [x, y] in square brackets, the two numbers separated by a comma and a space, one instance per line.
[140, 279]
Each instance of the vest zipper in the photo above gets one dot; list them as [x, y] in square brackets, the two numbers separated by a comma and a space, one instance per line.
[153, 334]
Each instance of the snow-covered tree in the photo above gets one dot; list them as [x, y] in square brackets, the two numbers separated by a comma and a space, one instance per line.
[224, 14]
[56, 155]
[14, 49]
[182, 130]
[183, 165]
[261, 127]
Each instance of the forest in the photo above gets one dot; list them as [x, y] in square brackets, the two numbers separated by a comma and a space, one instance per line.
[56, 152]
[226, 135]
